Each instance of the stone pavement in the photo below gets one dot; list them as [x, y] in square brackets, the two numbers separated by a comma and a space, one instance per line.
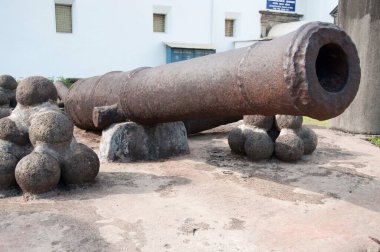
[210, 200]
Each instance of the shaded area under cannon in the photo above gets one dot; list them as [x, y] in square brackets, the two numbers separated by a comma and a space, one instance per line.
[195, 126]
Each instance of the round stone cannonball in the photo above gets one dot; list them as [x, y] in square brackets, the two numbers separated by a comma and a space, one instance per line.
[236, 140]
[35, 90]
[310, 140]
[8, 82]
[259, 121]
[4, 112]
[289, 147]
[258, 145]
[4, 100]
[288, 122]
[82, 166]
[10, 132]
[37, 173]
[51, 127]
[8, 164]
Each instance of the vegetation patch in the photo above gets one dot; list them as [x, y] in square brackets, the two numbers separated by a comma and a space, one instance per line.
[311, 121]
[375, 141]
[68, 82]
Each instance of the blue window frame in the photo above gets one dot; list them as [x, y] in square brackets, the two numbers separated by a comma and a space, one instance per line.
[178, 54]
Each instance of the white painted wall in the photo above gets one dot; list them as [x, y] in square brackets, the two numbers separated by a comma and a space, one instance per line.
[319, 10]
[117, 34]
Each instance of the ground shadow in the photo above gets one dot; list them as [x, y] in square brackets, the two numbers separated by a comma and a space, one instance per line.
[109, 183]
[42, 230]
[329, 171]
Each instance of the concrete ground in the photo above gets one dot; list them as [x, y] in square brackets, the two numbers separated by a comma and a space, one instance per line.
[210, 200]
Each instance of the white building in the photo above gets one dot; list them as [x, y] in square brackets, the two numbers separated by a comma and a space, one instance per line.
[107, 35]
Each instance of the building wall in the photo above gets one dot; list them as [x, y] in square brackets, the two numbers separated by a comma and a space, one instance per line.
[319, 10]
[113, 35]
[361, 20]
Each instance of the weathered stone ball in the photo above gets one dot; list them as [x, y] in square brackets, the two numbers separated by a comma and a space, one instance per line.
[4, 112]
[8, 164]
[8, 82]
[35, 90]
[4, 100]
[16, 150]
[51, 127]
[259, 121]
[258, 145]
[288, 122]
[37, 173]
[288, 146]
[309, 138]
[10, 132]
[236, 140]
[82, 166]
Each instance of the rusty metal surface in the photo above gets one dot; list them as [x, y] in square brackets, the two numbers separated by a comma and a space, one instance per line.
[313, 71]
[62, 89]
[104, 116]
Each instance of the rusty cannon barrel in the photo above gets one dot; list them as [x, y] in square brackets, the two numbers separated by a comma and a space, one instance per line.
[313, 71]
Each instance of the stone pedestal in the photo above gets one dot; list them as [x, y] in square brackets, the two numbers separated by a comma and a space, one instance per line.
[130, 141]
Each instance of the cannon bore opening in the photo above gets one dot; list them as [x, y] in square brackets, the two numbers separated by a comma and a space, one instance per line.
[332, 67]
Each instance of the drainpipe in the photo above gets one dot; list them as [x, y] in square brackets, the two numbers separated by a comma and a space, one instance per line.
[212, 22]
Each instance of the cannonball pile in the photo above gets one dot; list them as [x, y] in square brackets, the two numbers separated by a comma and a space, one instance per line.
[37, 146]
[8, 87]
[260, 137]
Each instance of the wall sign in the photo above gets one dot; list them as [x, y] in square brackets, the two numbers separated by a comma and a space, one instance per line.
[282, 5]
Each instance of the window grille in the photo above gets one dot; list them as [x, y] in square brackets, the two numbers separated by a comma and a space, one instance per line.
[229, 27]
[63, 18]
[159, 22]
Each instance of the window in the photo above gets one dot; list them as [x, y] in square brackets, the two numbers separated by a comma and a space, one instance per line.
[63, 18]
[229, 27]
[159, 22]
[179, 54]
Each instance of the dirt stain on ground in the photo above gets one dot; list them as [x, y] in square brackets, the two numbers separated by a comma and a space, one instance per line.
[235, 224]
[190, 227]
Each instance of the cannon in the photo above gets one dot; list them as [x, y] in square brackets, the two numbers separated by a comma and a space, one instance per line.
[313, 71]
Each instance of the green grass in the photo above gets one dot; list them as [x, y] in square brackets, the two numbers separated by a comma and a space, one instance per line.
[375, 140]
[311, 121]
[67, 82]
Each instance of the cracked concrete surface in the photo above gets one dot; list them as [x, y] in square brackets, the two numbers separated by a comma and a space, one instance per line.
[209, 200]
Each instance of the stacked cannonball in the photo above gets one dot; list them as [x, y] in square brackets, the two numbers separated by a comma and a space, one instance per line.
[8, 87]
[37, 147]
[259, 137]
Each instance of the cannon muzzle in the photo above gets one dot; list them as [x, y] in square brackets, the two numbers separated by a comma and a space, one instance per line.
[313, 71]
